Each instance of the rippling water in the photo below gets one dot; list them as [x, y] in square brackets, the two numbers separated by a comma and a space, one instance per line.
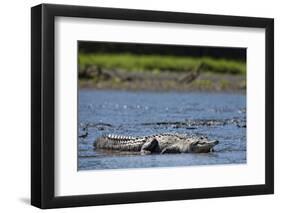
[220, 116]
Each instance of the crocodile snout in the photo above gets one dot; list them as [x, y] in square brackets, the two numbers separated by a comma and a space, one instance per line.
[214, 142]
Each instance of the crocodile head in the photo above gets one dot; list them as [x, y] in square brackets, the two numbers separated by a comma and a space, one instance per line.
[202, 145]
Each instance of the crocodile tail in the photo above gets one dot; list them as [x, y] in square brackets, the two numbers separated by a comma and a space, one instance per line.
[108, 141]
[99, 142]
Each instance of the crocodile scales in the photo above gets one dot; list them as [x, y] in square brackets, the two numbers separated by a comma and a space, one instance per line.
[159, 143]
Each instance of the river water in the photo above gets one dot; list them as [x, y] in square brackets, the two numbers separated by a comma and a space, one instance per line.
[220, 116]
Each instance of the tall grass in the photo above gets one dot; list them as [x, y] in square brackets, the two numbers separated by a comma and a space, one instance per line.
[130, 62]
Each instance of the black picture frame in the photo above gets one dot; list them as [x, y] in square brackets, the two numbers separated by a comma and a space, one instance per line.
[43, 102]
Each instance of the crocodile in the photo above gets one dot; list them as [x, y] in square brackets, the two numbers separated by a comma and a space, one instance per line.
[159, 143]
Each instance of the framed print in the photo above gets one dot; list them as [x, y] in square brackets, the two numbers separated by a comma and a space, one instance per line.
[140, 106]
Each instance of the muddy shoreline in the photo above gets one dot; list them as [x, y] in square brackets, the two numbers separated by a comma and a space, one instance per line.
[167, 82]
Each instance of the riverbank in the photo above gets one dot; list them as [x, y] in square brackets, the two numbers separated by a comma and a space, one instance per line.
[164, 81]
[160, 73]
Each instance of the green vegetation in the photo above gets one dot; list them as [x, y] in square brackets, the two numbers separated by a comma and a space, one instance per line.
[156, 63]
